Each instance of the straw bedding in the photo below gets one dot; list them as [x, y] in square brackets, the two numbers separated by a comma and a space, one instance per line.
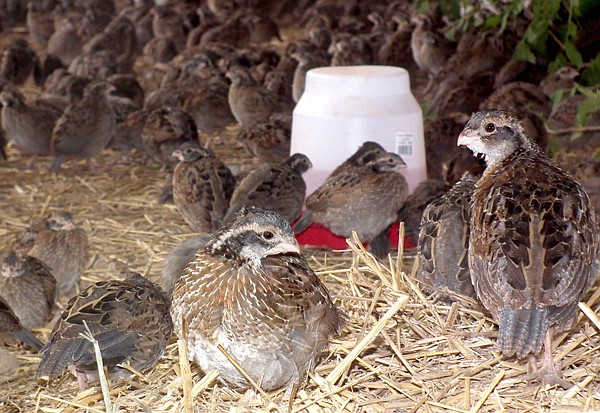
[400, 351]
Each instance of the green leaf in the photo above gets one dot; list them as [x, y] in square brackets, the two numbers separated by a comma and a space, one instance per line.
[523, 52]
[573, 54]
[591, 75]
[558, 62]
[492, 21]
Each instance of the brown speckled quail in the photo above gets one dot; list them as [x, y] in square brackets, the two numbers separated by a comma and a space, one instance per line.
[28, 125]
[278, 188]
[365, 199]
[59, 243]
[129, 319]
[10, 325]
[430, 49]
[85, 127]
[202, 187]
[442, 261]
[250, 291]
[28, 288]
[534, 240]
[165, 129]
[17, 61]
[269, 140]
[250, 101]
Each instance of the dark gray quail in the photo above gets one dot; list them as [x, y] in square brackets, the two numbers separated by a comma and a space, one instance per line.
[28, 125]
[365, 199]
[178, 259]
[165, 130]
[85, 127]
[10, 325]
[129, 319]
[202, 187]
[412, 210]
[278, 188]
[442, 262]
[250, 291]
[28, 288]
[59, 243]
[534, 240]
[250, 101]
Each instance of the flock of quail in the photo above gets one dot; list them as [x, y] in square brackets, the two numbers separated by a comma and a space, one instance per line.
[509, 227]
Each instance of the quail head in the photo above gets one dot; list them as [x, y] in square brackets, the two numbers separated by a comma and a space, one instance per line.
[534, 240]
[28, 288]
[10, 325]
[367, 152]
[249, 292]
[202, 187]
[59, 243]
[129, 319]
[85, 128]
[365, 199]
[442, 262]
[278, 188]
[28, 125]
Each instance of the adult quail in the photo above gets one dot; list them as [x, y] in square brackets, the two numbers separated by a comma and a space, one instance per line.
[248, 292]
[129, 319]
[28, 288]
[28, 125]
[534, 240]
[279, 188]
[442, 249]
[202, 187]
[59, 243]
[365, 199]
[85, 128]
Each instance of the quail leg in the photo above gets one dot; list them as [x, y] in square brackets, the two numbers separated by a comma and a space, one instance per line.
[548, 373]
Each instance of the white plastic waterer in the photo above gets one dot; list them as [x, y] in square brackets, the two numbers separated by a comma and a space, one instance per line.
[344, 106]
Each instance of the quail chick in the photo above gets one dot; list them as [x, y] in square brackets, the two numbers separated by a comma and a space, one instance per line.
[85, 128]
[59, 243]
[165, 130]
[17, 61]
[202, 187]
[534, 240]
[365, 199]
[250, 102]
[249, 291]
[28, 288]
[278, 188]
[430, 49]
[129, 319]
[268, 141]
[442, 251]
[10, 324]
[178, 259]
[28, 125]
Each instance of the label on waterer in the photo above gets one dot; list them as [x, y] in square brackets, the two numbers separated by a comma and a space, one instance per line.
[404, 143]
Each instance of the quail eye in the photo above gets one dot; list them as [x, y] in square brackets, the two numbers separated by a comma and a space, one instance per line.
[490, 127]
[267, 235]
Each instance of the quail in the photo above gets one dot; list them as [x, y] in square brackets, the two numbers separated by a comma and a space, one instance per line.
[365, 199]
[415, 204]
[28, 288]
[129, 319]
[279, 188]
[442, 250]
[28, 125]
[10, 325]
[534, 240]
[165, 129]
[85, 128]
[17, 61]
[59, 243]
[202, 187]
[250, 292]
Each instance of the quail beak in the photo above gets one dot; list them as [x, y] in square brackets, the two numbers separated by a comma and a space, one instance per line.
[286, 247]
[69, 225]
[467, 137]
